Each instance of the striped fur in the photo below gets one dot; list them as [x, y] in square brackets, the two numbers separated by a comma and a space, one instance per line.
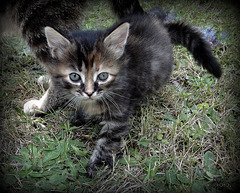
[123, 8]
[137, 73]
[187, 36]
[78, 70]
[182, 34]
[31, 16]
[105, 74]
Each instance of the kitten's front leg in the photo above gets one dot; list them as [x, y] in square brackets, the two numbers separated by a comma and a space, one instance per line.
[36, 107]
[51, 100]
[44, 81]
[108, 144]
[80, 118]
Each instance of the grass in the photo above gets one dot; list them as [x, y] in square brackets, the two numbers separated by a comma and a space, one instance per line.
[183, 139]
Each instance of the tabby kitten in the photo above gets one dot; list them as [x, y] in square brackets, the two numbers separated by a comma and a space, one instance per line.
[107, 73]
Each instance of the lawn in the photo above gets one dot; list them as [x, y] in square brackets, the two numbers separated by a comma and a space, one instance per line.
[183, 139]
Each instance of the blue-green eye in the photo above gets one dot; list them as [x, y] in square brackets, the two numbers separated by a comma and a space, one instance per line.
[75, 77]
[103, 76]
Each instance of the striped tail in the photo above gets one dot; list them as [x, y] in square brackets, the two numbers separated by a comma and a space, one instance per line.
[187, 36]
[180, 33]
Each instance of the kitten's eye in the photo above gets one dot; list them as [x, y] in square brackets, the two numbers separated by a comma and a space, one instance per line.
[75, 77]
[103, 76]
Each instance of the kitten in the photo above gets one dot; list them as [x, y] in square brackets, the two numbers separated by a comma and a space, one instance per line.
[107, 73]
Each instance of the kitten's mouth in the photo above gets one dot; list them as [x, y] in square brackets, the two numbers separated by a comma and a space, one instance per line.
[90, 98]
[85, 97]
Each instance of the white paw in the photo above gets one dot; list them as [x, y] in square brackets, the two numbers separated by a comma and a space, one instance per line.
[43, 82]
[32, 107]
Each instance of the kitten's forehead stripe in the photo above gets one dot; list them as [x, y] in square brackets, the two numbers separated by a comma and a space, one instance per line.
[89, 69]
[97, 61]
[93, 64]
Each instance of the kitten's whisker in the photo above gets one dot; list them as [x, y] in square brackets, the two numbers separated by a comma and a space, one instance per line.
[69, 101]
[113, 93]
[105, 102]
[116, 94]
[77, 102]
[111, 99]
[103, 106]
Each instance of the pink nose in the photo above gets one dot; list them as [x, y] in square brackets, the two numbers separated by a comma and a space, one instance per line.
[89, 89]
[89, 92]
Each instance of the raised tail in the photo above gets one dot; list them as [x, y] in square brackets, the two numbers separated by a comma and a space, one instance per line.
[187, 36]
[180, 33]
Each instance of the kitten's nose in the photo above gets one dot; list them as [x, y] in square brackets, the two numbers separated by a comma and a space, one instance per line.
[89, 89]
[89, 93]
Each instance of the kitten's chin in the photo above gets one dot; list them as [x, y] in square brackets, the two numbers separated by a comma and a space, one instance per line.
[91, 107]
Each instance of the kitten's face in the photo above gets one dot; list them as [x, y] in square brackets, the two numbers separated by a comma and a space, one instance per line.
[90, 77]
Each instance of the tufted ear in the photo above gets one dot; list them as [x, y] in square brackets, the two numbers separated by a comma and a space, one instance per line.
[116, 41]
[56, 42]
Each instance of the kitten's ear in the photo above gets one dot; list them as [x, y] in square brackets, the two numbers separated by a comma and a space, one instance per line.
[115, 42]
[57, 42]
